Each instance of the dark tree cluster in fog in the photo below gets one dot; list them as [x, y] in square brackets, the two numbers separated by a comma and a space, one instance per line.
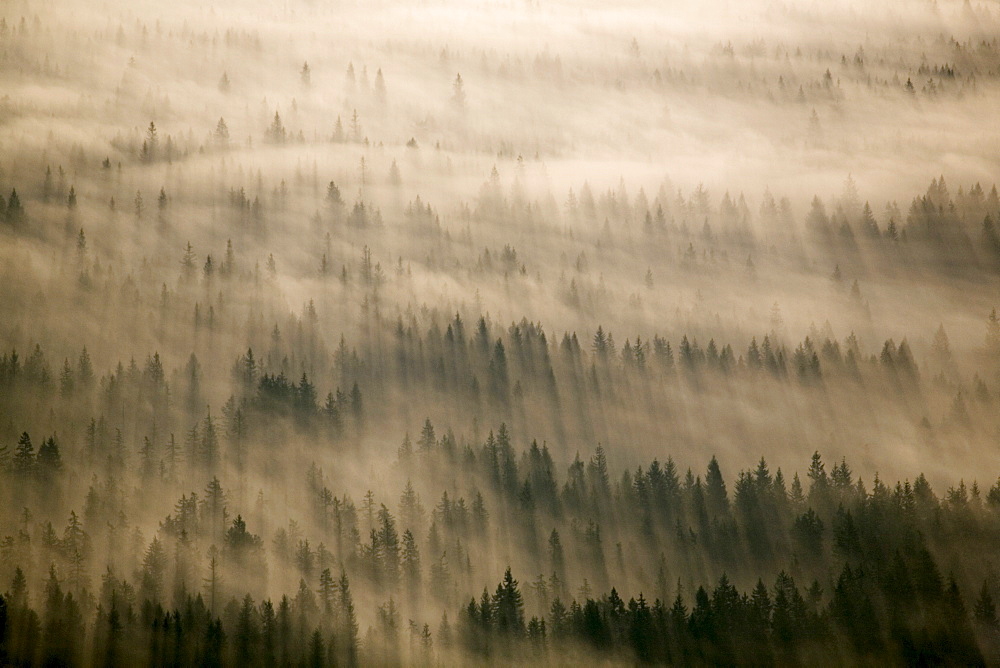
[517, 333]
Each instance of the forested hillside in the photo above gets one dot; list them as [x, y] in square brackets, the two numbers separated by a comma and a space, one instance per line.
[514, 333]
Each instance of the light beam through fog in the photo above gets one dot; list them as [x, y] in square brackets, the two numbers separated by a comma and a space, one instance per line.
[502, 332]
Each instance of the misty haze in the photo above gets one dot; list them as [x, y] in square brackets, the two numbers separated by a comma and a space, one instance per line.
[520, 332]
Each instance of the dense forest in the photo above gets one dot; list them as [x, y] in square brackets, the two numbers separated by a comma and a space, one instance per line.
[440, 333]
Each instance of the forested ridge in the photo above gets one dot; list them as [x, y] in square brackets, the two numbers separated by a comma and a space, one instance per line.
[511, 333]
[865, 576]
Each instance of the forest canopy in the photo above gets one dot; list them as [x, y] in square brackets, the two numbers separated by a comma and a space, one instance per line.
[441, 333]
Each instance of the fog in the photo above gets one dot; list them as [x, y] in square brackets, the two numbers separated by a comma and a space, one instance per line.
[318, 318]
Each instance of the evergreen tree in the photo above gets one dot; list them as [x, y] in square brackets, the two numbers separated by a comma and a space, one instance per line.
[24, 457]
